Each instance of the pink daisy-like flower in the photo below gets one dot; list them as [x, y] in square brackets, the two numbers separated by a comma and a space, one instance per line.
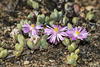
[77, 33]
[56, 33]
[31, 29]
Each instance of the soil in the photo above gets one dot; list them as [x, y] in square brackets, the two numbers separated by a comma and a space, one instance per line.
[54, 56]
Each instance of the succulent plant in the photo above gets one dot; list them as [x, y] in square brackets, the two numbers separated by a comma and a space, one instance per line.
[47, 20]
[65, 20]
[3, 53]
[19, 26]
[60, 15]
[43, 42]
[72, 59]
[40, 19]
[67, 5]
[66, 41]
[24, 21]
[54, 34]
[2, 44]
[32, 45]
[33, 4]
[14, 33]
[69, 25]
[17, 53]
[30, 15]
[19, 47]
[56, 15]
[77, 51]
[75, 20]
[21, 39]
[72, 47]
[1, 49]
[51, 23]
[90, 15]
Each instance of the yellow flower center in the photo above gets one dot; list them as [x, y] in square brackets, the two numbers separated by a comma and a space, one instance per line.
[77, 32]
[32, 25]
[56, 29]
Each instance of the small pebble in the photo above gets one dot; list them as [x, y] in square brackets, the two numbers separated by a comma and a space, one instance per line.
[52, 60]
[89, 8]
[26, 62]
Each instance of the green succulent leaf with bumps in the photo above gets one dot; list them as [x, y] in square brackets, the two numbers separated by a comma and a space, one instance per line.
[75, 20]
[21, 39]
[32, 45]
[19, 47]
[77, 51]
[17, 53]
[43, 42]
[47, 20]
[65, 20]
[3, 53]
[72, 47]
[54, 15]
[19, 26]
[30, 15]
[40, 19]
[33, 4]
[69, 25]
[90, 15]
[66, 41]
[72, 59]
[1, 49]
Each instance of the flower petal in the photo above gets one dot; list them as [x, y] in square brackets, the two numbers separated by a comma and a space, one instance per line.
[26, 28]
[39, 27]
[63, 29]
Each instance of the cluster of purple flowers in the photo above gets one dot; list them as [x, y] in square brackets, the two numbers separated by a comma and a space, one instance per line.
[56, 33]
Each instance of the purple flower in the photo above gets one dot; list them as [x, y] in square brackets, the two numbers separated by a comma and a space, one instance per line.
[31, 29]
[56, 33]
[77, 33]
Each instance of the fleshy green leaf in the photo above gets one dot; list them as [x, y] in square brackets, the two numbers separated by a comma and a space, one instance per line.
[32, 3]
[66, 41]
[69, 26]
[19, 47]
[21, 39]
[3, 53]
